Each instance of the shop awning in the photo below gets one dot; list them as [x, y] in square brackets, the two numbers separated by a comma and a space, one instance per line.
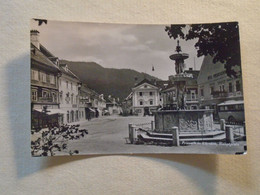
[52, 111]
[91, 110]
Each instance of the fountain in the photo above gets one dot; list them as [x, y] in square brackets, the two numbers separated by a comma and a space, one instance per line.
[181, 117]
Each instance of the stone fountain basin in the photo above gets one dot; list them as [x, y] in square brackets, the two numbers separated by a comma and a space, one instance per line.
[185, 120]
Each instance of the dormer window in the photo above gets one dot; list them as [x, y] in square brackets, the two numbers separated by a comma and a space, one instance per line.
[57, 62]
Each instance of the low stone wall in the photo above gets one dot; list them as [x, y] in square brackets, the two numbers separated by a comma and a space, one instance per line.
[185, 120]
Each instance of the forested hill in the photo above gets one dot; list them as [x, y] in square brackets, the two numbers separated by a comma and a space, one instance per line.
[107, 81]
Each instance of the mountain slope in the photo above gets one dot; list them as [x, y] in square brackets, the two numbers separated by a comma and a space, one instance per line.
[107, 81]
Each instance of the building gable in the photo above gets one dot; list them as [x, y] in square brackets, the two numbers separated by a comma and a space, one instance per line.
[209, 69]
[145, 86]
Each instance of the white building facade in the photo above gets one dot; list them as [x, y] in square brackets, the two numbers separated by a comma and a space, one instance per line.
[69, 95]
[146, 98]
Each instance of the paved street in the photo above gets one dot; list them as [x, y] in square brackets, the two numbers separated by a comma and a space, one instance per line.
[107, 136]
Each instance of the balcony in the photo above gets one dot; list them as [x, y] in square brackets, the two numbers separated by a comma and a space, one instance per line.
[191, 98]
[46, 100]
[219, 94]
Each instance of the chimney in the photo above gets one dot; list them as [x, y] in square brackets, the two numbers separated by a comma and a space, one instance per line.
[35, 38]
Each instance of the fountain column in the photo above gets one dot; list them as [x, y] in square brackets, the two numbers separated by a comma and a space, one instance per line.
[180, 83]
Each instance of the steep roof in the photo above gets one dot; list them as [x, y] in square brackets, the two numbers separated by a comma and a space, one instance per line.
[145, 81]
[129, 96]
[38, 56]
[45, 51]
[208, 68]
[64, 69]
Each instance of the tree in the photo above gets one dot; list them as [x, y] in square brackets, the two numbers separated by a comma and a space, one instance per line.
[56, 139]
[219, 40]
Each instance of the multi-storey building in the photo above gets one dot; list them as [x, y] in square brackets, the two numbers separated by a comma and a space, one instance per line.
[91, 104]
[113, 105]
[85, 103]
[44, 86]
[146, 98]
[215, 86]
[69, 85]
[169, 93]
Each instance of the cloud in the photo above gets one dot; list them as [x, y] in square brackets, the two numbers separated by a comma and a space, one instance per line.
[138, 47]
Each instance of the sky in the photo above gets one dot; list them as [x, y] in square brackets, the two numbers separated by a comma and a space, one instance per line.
[138, 47]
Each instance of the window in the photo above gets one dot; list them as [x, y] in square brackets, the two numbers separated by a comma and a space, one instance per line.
[202, 92]
[221, 108]
[72, 116]
[151, 93]
[43, 77]
[237, 86]
[34, 95]
[72, 99]
[231, 107]
[54, 97]
[35, 75]
[77, 115]
[140, 93]
[211, 89]
[151, 102]
[230, 87]
[193, 95]
[76, 99]
[141, 103]
[239, 107]
[45, 94]
[67, 84]
[67, 98]
[68, 116]
[222, 88]
[61, 100]
[47, 78]
[52, 79]
[71, 86]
